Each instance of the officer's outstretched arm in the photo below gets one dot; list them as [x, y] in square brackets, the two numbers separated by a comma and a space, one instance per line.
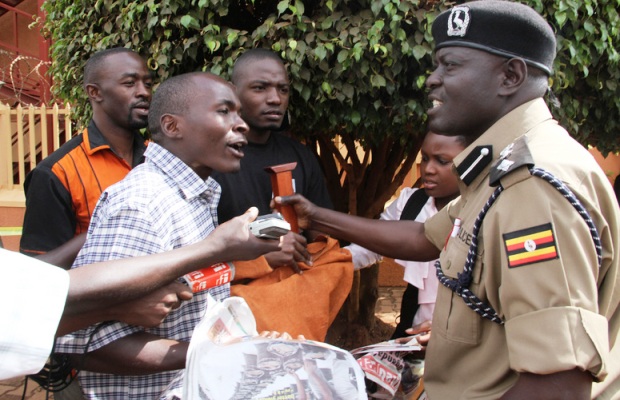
[396, 239]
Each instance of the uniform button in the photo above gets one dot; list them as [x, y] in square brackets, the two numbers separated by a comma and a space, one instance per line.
[448, 264]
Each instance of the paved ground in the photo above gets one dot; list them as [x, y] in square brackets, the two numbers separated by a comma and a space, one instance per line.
[14, 388]
[388, 307]
[388, 304]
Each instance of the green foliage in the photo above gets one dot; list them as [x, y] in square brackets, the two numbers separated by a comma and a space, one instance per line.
[345, 62]
[357, 67]
[587, 73]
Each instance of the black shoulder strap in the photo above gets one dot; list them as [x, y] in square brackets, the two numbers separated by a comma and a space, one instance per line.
[414, 205]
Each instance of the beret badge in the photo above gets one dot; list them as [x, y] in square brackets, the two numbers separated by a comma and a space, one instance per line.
[458, 21]
[505, 28]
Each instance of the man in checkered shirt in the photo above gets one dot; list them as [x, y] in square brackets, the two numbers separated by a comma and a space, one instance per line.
[168, 202]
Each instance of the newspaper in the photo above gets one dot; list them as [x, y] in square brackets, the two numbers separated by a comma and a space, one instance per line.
[391, 371]
[227, 360]
[391, 346]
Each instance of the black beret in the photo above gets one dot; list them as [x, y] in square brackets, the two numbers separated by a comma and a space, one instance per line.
[504, 28]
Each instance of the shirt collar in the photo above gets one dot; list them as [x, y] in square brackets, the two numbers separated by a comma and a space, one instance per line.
[516, 123]
[95, 141]
[190, 184]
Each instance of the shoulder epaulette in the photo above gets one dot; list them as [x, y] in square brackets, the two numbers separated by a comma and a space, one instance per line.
[474, 163]
[513, 157]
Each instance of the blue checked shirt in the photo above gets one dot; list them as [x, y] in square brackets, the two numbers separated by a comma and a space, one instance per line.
[160, 205]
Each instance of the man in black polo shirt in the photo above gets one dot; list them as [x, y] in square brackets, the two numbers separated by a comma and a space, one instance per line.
[62, 191]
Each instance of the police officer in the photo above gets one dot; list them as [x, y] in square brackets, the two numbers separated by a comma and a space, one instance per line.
[529, 252]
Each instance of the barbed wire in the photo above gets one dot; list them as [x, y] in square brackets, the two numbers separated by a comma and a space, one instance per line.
[23, 78]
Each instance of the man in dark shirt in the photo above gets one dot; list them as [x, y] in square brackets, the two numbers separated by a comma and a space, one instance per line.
[263, 88]
[62, 191]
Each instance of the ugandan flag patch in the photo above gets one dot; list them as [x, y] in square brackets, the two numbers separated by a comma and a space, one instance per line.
[530, 245]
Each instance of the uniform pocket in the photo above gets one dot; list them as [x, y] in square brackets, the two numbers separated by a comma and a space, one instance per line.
[453, 318]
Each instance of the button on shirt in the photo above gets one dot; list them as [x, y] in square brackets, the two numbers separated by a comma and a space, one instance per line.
[161, 205]
[561, 312]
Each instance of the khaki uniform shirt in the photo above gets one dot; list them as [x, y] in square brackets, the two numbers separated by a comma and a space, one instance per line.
[560, 309]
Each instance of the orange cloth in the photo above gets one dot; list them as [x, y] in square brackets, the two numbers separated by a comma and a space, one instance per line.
[306, 304]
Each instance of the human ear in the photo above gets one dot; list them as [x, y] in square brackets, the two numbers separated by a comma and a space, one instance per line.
[515, 74]
[170, 126]
[93, 92]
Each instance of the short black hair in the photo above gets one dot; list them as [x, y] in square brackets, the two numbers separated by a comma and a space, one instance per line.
[173, 96]
[539, 81]
[250, 56]
[462, 140]
[94, 63]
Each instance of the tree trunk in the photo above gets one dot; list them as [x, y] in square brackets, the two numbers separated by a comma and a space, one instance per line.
[360, 183]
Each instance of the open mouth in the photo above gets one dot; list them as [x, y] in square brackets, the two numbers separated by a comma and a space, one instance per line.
[237, 148]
